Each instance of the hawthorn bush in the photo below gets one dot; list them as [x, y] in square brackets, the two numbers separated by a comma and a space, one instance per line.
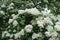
[29, 19]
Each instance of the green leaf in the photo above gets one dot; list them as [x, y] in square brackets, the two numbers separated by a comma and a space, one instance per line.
[39, 38]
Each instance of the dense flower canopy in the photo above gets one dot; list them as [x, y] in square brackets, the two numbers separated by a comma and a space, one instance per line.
[29, 20]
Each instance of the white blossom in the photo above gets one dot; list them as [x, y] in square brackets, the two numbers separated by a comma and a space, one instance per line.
[14, 30]
[3, 5]
[15, 16]
[51, 38]
[33, 11]
[52, 17]
[33, 22]
[54, 38]
[10, 7]
[39, 18]
[17, 35]
[49, 28]
[10, 21]
[54, 34]
[15, 23]
[57, 23]
[8, 34]
[58, 17]
[45, 12]
[57, 38]
[40, 34]
[9, 30]
[41, 23]
[11, 35]
[11, 4]
[5, 34]
[21, 11]
[28, 28]
[10, 39]
[34, 36]
[57, 27]
[22, 32]
[2, 12]
[48, 20]
[48, 34]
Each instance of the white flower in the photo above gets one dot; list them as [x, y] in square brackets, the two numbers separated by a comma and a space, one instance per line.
[54, 34]
[58, 17]
[57, 23]
[19, 34]
[39, 18]
[11, 35]
[15, 23]
[2, 12]
[3, 5]
[10, 7]
[22, 32]
[10, 39]
[5, 33]
[45, 12]
[28, 28]
[39, 2]
[11, 4]
[15, 16]
[40, 34]
[48, 20]
[33, 22]
[21, 11]
[41, 23]
[10, 21]
[9, 30]
[52, 17]
[33, 11]
[49, 28]
[35, 35]
[48, 34]
[52, 38]
[57, 27]
[14, 30]
[57, 38]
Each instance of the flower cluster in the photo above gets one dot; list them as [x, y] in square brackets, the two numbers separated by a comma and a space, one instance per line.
[31, 24]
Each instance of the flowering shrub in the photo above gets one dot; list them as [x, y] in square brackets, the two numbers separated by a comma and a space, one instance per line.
[30, 23]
